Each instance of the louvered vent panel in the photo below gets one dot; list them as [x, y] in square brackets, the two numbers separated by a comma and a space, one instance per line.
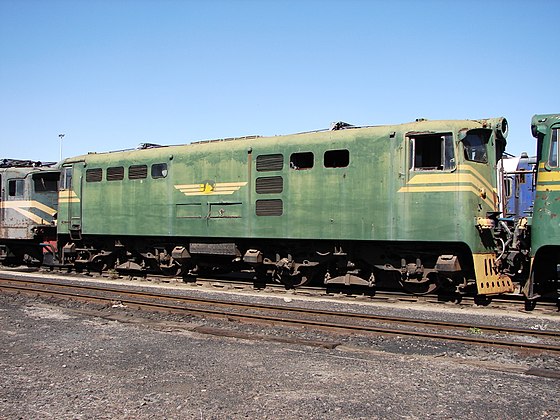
[269, 208]
[94, 175]
[270, 162]
[115, 174]
[137, 172]
[269, 185]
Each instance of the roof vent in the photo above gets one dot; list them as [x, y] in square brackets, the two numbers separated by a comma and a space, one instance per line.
[340, 125]
[143, 146]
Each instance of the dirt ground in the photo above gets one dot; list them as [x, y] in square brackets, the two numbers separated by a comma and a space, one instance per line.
[72, 361]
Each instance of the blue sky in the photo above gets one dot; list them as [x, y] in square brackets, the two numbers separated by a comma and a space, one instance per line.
[113, 74]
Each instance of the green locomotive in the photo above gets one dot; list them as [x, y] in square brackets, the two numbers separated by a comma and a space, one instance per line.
[545, 223]
[414, 203]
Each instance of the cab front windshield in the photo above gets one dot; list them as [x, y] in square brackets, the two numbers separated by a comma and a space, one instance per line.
[475, 145]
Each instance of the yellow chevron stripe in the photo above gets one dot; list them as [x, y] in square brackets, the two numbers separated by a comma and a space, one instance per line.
[449, 188]
[467, 179]
[68, 196]
[447, 178]
[221, 188]
[481, 178]
[18, 205]
[454, 179]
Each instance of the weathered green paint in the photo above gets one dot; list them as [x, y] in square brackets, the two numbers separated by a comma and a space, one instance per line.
[545, 230]
[363, 201]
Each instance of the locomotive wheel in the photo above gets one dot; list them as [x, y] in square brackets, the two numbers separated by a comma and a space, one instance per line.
[98, 264]
[424, 286]
[291, 281]
[172, 271]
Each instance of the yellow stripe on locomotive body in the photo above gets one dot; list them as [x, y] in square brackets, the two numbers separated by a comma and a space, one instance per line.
[24, 208]
[548, 181]
[68, 196]
[467, 179]
[210, 188]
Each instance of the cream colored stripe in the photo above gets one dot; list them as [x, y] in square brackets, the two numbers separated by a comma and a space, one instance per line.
[444, 178]
[18, 204]
[478, 176]
[551, 187]
[66, 194]
[548, 176]
[37, 219]
[447, 189]
[34, 217]
[218, 184]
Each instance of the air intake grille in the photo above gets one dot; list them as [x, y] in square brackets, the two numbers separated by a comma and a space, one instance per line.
[115, 174]
[137, 172]
[94, 175]
[270, 163]
[269, 208]
[269, 185]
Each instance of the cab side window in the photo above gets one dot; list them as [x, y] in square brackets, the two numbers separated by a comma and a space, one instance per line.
[431, 152]
[15, 187]
[66, 179]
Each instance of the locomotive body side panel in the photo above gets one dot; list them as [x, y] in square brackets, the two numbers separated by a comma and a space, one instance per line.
[545, 224]
[218, 190]
[406, 200]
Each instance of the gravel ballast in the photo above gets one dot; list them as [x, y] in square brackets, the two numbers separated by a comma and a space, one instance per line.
[74, 361]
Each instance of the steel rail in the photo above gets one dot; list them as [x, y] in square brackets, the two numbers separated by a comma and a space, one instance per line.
[178, 306]
[306, 311]
[373, 295]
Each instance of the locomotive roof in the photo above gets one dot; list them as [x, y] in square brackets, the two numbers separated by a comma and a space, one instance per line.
[541, 123]
[23, 172]
[545, 118]
[338, 132]
[20, 163]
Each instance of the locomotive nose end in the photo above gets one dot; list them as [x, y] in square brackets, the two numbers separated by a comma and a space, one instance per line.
[502, 128]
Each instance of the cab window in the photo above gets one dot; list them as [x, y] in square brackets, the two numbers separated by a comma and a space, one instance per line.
[553, 157]
[431, 152]
[474, 145]
[159, 170]
[15, 187]
[66, 179]
[45, 182]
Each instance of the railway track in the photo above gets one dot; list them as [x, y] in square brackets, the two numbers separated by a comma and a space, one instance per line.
[246, 283]
[290, 316]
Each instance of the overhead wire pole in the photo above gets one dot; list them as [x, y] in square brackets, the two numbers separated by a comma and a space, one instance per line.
[61, 137]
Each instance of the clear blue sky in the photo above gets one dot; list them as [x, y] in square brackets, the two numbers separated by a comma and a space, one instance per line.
[113, 74]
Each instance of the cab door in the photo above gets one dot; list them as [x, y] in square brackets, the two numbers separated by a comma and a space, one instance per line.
[69, 200]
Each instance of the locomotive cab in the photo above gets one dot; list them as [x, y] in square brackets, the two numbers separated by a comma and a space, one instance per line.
[28, 208]
[545, 229]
